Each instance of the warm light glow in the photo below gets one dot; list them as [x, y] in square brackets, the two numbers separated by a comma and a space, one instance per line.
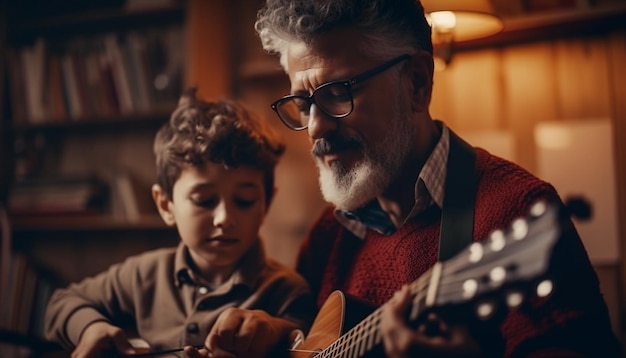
[442, 20]
[440, 64]
[468, 19]
[553, 137]
[456, 21]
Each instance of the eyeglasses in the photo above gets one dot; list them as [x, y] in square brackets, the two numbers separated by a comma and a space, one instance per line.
[332, 98]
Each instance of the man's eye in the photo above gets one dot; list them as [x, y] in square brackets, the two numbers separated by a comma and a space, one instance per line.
[303, 106]
[244, 203]
[335, 93]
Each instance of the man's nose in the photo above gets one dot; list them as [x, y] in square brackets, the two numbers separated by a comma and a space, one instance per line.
[320, 124]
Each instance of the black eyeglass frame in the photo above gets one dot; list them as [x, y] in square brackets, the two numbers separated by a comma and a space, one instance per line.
[310, 100]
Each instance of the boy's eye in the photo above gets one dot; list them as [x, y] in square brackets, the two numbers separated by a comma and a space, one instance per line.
[244, 203]
[205, 202]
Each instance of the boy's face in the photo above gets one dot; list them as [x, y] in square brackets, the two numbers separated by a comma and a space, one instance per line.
[218, 213]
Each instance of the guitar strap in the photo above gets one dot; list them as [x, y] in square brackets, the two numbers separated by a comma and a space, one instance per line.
[457, 217]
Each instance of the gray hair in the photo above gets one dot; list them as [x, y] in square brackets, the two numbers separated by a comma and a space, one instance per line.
[390, 27]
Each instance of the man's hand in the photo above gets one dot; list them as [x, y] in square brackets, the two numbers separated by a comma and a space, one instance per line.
[101, 339]
[243, 333]
[434, 338]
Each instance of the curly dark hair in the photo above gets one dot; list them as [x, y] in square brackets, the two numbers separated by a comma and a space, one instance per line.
[222, 132]
[392, 27]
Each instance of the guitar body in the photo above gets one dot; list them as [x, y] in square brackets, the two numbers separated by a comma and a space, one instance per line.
[327, 328]
[480, 284]
[338, 314]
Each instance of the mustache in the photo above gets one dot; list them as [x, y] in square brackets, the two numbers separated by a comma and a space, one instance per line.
[334, 144]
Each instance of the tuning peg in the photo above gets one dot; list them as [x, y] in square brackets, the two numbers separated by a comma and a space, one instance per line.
[498, 240]
[470, 287]
[485, 310]
[520, 229]
[514, 299]
[497, 276]
[544, 288]
[476, 252]
[539, 208]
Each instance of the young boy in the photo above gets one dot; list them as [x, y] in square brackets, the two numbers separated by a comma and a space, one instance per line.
[215, 167]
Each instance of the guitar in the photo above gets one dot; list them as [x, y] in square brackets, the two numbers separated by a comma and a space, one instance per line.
[507, 264]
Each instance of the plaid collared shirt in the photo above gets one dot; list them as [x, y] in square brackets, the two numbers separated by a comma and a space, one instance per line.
[429, 189]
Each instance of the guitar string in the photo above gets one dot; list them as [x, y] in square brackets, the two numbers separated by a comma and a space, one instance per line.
[452, 279]
[301, 350]
[362, 340]
[365, 335]
[362, 337]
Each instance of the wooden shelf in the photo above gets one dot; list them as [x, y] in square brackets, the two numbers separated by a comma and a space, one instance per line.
[96, 123]
[86, 223]
[94, 21]
[37, 346]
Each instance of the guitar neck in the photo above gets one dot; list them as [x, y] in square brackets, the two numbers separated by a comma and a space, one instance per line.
[365, 336]
[508, 264]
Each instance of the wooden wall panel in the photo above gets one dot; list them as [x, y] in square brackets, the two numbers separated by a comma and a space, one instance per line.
[582, 78]
[439, 98]
[467, 95]
[617, 70]
[208, 25]
[529, 85]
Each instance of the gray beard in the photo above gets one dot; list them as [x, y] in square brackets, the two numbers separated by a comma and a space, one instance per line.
[351, 188]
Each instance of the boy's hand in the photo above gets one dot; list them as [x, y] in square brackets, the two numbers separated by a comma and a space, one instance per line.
[217, 352]
[192, 352]
[246, 333]
[101, 339]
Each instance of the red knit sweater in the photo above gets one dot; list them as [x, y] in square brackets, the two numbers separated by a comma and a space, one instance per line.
[371, 270]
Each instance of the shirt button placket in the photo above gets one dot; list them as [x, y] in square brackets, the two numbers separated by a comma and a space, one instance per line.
[203, 290]
[192, 328]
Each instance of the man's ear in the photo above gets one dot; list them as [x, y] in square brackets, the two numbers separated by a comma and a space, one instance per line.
[162, 202]
[421, 67]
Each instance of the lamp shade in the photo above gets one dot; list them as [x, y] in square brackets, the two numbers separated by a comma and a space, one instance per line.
[468, 19]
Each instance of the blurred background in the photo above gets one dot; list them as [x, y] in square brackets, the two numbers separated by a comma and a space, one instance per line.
[85, 86]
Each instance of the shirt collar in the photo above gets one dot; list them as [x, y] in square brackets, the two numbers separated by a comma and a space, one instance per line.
[429, 189]
[247, 274]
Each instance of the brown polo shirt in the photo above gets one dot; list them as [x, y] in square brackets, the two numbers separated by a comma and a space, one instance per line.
[157, 295]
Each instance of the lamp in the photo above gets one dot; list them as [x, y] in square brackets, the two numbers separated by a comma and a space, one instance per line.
[459, 20]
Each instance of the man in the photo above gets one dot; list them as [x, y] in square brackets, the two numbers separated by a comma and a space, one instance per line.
[361, 75]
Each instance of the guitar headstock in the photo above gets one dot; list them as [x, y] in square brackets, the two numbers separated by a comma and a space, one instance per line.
[508, 263]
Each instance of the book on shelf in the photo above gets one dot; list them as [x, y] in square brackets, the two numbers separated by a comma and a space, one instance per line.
[23, 300]
[101, 75]
[17, 92]
[59, 196]
[143, 5]
[130, 199]
[56, 102]
[25, 295]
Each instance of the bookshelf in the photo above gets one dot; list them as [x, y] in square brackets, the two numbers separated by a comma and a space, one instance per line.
[24, 226]
[129, 61]
[96, 123]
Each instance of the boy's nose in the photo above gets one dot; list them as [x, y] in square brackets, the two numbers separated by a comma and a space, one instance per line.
[223, 217]
[320, 124]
